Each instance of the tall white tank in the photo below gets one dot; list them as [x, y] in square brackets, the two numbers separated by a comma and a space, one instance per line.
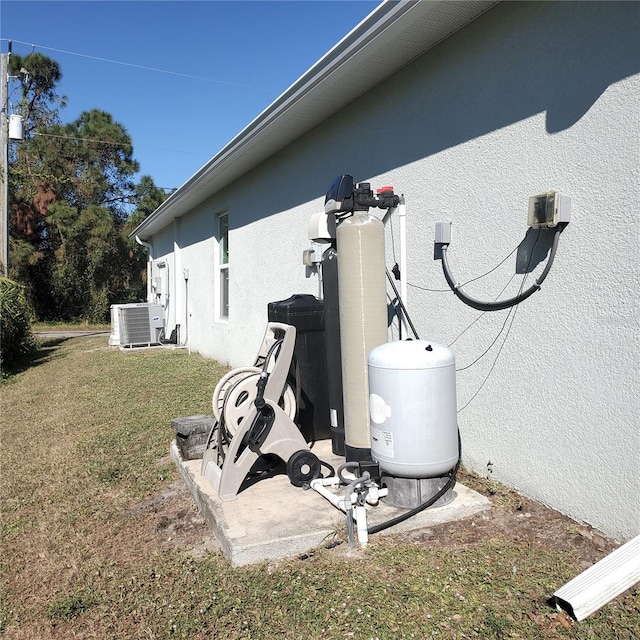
[363, 320]
[412, 407]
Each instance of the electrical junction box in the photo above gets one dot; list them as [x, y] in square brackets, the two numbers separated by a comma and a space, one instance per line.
[443, 233]
[548, 210]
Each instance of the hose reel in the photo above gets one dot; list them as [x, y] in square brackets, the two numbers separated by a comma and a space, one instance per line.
[236, 392]
[255, 409]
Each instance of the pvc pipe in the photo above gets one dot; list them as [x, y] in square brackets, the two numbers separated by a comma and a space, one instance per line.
[360, 515]
[402, 216]
[335, 499]
[357, 513]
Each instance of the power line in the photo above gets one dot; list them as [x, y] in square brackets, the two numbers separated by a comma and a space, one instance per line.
[119, 144]
[114, 144]
[513, 317]
[480, 316]
[139, 66]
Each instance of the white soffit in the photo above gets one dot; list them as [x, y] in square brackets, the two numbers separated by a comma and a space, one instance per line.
[393, 35]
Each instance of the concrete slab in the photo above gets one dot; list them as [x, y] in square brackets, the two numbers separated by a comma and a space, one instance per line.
[273, 519]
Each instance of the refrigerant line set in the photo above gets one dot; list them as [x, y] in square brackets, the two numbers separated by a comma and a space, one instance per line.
[391, 406]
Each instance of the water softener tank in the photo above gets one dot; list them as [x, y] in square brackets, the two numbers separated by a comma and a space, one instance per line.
[363, 320]
[412, 407]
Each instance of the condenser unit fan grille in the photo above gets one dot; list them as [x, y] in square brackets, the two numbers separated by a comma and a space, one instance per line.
[140, 325]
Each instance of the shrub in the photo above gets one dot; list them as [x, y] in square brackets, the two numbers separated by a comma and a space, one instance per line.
[16, 340]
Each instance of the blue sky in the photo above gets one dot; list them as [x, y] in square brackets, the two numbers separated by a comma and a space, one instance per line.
[240, 54]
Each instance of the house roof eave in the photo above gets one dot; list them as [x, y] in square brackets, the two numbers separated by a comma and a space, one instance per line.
[386, 40]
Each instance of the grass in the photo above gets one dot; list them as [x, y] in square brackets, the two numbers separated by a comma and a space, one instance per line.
[85, 435]
[70, 326]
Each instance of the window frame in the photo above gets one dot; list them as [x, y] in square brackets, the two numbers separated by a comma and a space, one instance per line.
[222, 267]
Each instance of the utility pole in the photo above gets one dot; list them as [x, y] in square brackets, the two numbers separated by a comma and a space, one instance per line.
[4, 148]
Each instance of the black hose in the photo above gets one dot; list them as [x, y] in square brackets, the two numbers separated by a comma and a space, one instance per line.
[500, 304]
[401, 304]
[425, 505]
[272, 350]
[326, 465]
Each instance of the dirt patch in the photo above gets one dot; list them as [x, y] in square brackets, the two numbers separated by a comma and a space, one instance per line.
[515, 517]
[172, 521]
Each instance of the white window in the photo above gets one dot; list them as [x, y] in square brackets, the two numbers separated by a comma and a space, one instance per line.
[222, 266]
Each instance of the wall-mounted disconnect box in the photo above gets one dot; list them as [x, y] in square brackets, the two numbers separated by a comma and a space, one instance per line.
[548, 210]
[443, 233]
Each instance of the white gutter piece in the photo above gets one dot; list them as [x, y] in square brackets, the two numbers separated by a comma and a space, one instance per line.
[601, 583]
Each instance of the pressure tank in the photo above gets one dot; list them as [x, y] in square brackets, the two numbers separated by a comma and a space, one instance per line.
[412, 407]
[363, 320]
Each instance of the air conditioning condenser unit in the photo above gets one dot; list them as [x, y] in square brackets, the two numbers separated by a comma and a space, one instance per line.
[140, 324]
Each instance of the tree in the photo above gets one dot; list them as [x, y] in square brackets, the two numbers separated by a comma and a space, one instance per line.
[73, 201]
[148, 198]
[16, 340]
[39, 101]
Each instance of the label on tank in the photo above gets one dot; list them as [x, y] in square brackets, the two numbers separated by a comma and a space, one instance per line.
[383, 441]
[379, 410]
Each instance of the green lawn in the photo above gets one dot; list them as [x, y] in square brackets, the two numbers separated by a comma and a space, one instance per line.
[69, 326]
[85, 435]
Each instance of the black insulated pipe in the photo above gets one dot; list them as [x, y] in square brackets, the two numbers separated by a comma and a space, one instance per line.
[500, 304]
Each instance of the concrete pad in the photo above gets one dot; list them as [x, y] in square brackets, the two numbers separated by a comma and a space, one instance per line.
[272, 519]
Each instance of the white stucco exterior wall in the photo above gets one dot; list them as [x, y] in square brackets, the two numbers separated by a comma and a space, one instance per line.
[529, 97]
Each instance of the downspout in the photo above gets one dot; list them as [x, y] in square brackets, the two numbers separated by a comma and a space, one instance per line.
[149, 247]
[600, 583]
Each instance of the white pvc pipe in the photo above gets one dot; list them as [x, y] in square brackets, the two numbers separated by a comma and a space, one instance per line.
[401, 210]
[357, 513]
[360, 516]
[402, 216]
[336, 500]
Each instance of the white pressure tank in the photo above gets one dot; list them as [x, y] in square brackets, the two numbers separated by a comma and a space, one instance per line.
[412, 408]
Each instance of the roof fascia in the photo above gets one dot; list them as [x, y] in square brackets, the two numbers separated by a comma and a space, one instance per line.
[361, 43]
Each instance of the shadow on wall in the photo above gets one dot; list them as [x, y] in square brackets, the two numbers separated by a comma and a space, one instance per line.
[517, 60]
[533, 250]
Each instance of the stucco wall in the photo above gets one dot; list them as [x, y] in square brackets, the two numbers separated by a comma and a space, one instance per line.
[530, 97]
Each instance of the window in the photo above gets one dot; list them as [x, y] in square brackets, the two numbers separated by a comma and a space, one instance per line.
[222, 266]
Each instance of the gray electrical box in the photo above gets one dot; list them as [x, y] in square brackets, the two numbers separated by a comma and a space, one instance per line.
[443, 233]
